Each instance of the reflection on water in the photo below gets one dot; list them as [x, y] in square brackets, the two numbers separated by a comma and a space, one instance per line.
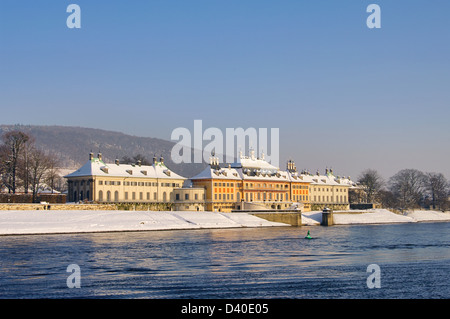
[232, 263]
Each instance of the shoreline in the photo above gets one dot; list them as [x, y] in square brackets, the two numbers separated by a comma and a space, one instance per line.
[41, 222]
[27, 222]
[377, 217]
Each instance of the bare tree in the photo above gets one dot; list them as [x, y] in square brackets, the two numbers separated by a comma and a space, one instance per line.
[408, 187]
[5, 168]
[52, 175]
[437, 187]
[387, 199]
[39, 165]
[372, 183]
[23, 164]
[14, 142]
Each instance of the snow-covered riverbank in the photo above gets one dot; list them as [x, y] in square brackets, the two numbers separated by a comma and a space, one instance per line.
[376, 216]
[76, 221]
[72, 221]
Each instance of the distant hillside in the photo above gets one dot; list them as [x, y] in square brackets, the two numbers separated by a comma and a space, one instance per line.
[72, 146]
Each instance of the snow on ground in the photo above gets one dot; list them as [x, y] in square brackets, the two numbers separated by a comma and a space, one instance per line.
[71, 221]
[375, 216]
[372, 216]
[426, 216]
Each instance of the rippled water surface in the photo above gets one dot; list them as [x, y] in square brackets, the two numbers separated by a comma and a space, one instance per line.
[232, 263]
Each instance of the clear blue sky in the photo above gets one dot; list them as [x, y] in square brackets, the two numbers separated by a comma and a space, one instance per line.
[343, 95]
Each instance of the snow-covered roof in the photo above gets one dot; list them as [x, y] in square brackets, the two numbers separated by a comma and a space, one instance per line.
[253, 168]
[96, 167]
[248, 162]
[328, 179]
[253, 162]
[265, 175]
[219, 173]
[231, 173]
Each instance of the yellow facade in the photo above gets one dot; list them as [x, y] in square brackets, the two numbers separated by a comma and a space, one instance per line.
[253, 184]
[300, 194]
[242, 188]
[122, 190]
[329, 191]
[98, 181]
[189, 199]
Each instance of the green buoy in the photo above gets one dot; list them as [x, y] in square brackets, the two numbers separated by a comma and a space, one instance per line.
[308, 236]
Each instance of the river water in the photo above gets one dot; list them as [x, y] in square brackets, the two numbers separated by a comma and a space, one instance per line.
[276, 262]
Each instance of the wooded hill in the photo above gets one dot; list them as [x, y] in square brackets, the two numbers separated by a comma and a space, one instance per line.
[72, 145]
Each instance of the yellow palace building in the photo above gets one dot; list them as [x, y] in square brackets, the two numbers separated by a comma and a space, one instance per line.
[251, 183]
[98, 181]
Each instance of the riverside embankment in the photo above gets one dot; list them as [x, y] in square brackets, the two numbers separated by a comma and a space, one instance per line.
[16, 222]
[81, 221]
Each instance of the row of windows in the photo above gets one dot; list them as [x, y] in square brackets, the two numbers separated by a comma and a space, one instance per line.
[264, 185]
[266, 196]
[300, 198]
[224, 197]
[186, 196]
[132, 196]
[230, 190]
[259, 185]
[147, 184]
[261, 196]
[226, 184]
[299, 186]
[318, 189]
[223, 190]
[326, 199]
[249, 197]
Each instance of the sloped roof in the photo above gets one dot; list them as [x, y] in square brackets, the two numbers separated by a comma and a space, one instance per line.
[249, 162]
[254, 162]
[328, 179]
[96, 167]
[218, 173]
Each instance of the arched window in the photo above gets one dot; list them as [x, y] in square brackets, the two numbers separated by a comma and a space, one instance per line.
[116, 196]
[164, 196]
[108, 196]
[100, 196]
